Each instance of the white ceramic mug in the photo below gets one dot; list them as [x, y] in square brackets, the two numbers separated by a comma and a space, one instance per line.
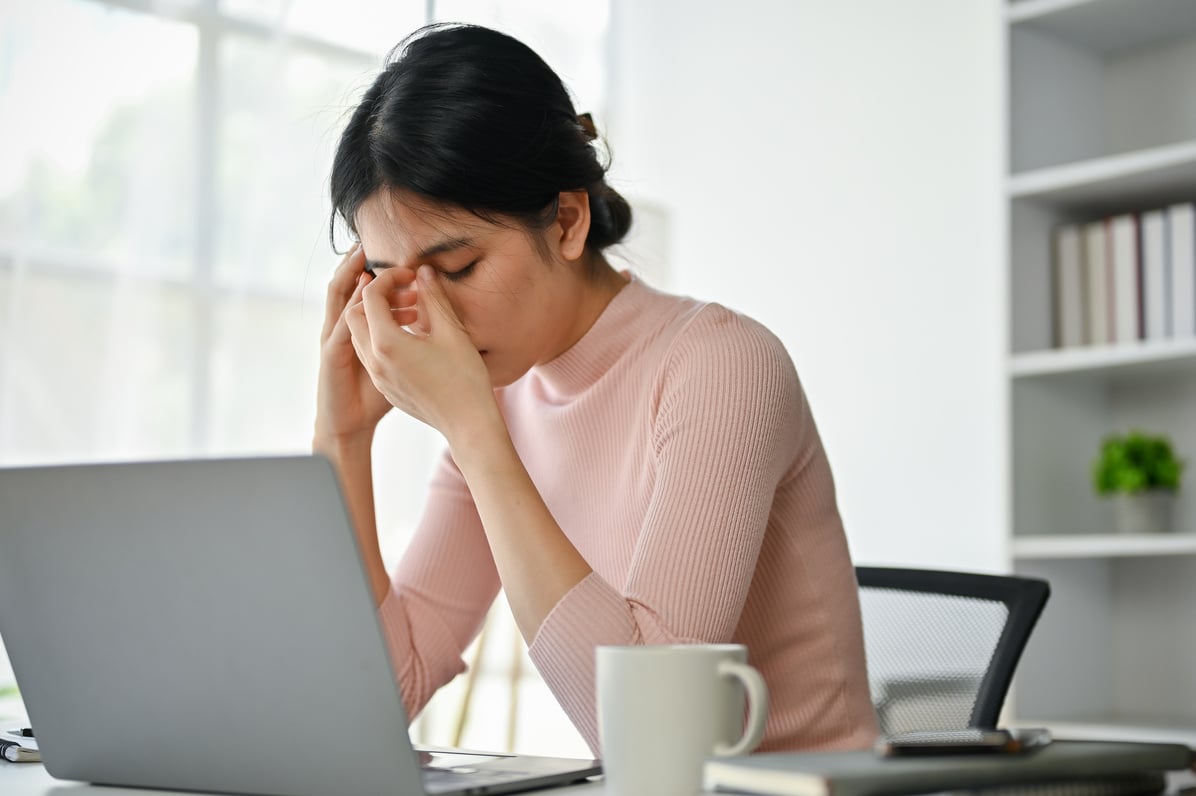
[664, 709]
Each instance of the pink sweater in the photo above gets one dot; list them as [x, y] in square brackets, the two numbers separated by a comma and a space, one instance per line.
[674, 446]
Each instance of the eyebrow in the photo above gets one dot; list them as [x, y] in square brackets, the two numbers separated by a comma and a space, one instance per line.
[446, 245]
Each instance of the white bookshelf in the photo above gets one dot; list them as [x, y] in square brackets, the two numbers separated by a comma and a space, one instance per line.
[1102, 120]
[1134, 359]
[1125, 728]
[1106, 27]
[1152, 177]
[1102, 545]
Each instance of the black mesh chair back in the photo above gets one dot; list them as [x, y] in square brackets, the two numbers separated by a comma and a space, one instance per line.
[942, 646]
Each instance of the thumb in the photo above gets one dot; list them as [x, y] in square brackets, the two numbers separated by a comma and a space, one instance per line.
[434, 304]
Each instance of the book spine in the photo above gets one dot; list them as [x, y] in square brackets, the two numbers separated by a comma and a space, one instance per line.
[1156, 291]
[1097, 278]
[1070, 302]
[1182, 229]
[1126, 301]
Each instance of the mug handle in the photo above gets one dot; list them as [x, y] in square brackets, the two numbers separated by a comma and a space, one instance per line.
[757, 693]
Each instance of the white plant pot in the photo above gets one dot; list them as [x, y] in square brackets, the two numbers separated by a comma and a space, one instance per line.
[1145, 512]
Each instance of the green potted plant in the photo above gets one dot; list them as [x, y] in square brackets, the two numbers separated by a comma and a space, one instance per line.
[1142, 471]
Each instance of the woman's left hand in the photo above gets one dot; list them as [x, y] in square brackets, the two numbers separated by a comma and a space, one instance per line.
[432, 371]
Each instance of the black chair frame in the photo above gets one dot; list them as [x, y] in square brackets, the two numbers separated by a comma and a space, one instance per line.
[1024, 599]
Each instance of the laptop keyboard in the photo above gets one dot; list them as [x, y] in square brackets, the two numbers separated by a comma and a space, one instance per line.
[474, 776]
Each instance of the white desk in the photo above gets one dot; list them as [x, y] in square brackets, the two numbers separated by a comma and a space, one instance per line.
[31, 779]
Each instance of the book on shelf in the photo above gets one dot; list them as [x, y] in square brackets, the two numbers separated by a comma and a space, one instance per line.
[1070, 310]
[1181, 223]
[864, 773]
[1097, 273]
[1156, 276]
[1125, 278]
[1123, 264]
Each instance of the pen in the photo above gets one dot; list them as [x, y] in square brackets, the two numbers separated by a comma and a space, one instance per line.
[20, 735]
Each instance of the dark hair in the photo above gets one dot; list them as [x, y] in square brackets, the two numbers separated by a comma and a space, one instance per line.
[471, 117]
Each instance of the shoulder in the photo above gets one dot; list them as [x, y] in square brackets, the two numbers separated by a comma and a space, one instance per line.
[728, 380]
[687, 327]
[718, 341]
[723, 364]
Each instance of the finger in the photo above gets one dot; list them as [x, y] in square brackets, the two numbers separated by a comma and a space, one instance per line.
[346, 280]
[377, 306]
[405, 317]
[344, 277]
[404, 306]
[340, 328]
[434, 303]
[359, 333]
[395, 279]
[387, 290]
[341, 286]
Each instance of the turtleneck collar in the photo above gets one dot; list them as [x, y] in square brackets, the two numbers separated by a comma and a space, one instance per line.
[615, 330]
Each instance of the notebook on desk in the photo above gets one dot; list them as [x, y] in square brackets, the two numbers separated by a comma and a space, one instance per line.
[1072, 766]
[207, 625]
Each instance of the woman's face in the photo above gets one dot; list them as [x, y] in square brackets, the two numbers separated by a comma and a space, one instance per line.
[519, 305]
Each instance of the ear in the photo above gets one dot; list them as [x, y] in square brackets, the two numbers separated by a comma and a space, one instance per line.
[573, 223]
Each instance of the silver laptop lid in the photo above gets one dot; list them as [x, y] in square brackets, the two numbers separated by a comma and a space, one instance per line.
[203, 625]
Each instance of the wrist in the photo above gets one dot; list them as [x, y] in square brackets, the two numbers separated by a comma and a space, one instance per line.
[480, 444]
[478, 434]
[341, 446]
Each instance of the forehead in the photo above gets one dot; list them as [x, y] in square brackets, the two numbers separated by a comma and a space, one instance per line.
[394, 225]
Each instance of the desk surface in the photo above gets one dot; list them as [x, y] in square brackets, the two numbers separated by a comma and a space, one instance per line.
[31, 779]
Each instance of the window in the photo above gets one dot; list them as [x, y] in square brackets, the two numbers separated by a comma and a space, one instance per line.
[163, 226]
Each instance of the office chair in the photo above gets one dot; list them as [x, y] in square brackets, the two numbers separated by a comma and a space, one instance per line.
[942, 646]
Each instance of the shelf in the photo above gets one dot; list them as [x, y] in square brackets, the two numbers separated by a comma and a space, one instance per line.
[1100, 120]
[1133, 180]
[1120, 728]
[1122, 360]
[1106, 27]
[1066, 546]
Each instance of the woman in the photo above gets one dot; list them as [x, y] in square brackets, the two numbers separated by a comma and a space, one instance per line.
[630, 467]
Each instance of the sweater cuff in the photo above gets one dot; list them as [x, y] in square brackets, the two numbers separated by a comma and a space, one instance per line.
[590, 614]
[418, 672]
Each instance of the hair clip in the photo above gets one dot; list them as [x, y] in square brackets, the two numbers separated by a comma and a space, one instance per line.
[587, 125]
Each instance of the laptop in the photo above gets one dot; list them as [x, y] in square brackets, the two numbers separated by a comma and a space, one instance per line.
[207, 625]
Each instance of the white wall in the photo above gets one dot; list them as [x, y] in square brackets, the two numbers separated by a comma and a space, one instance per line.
[835, 169]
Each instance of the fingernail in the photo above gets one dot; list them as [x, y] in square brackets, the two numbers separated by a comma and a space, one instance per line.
[425, 273]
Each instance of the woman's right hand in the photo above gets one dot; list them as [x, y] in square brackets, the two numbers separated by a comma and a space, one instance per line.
[348, 406]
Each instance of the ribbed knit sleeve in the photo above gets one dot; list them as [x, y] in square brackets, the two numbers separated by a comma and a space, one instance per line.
[727, 424]
[440, 593]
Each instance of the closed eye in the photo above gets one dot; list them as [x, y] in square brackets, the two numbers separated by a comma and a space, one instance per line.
[460, 273]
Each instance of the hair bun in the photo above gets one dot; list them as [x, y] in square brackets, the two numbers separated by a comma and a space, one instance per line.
[611, 216]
